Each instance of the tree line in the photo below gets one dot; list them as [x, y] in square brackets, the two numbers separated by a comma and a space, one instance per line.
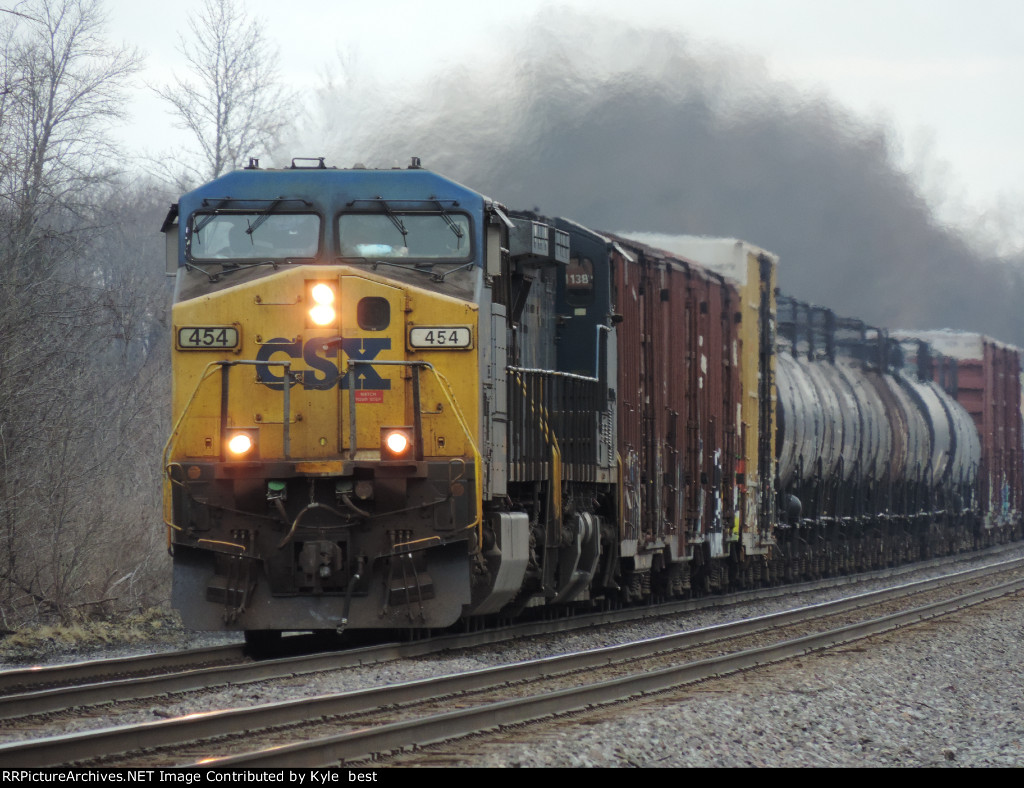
[84, 303]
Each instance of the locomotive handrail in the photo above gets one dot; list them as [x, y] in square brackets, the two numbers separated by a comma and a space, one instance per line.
[548, 432]
[552, 373]
[206, 373]
[445, 387]
[224, 365]
[350, 372]
[285, 389]
[168, 513]
[477, 459]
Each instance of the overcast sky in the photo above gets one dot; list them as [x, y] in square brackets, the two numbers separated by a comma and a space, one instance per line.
[947, 75]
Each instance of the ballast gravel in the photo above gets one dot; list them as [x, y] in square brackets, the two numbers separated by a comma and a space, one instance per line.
[944, 693]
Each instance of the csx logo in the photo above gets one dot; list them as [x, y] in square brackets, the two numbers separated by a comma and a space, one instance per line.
[324, 373]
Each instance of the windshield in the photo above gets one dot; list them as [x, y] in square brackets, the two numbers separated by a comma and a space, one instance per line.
[422, 236]
[254, 236]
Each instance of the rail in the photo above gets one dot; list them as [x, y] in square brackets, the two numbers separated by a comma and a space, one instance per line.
[600, 666]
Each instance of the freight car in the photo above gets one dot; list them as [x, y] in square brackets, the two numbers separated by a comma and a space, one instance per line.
[984, 375]
[878, 459]
[879, 464]
[398, 404]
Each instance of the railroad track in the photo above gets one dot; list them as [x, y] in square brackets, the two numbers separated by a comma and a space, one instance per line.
[121, 682]
[37, 679]
[356, 725]
[25, 681]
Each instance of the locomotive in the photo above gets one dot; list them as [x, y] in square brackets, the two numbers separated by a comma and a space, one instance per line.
[398, 404]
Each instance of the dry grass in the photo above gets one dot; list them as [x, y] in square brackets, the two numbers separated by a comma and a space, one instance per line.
[148, 626]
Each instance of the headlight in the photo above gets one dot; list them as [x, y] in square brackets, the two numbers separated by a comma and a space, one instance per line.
[397, 443]
[241, 443]
[322, 315]
[323, 294]
[322, 312]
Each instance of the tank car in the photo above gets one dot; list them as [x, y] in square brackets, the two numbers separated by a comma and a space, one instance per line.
[877, 464]
[984, 376]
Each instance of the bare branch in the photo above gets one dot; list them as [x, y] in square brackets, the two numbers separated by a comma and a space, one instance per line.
[231, 102]
[62, 87]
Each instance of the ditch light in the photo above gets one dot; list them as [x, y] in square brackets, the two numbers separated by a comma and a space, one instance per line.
[241, 444]
[397, 443]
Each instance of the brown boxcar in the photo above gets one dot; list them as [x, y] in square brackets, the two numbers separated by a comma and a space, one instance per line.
[752, 270]
[679, 402]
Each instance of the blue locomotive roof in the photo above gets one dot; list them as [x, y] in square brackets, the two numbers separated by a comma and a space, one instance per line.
[329, 189]
[327, 192]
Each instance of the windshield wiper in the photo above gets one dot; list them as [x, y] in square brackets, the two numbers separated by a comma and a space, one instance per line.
[223, 202]
[264, 215]
[198, 226]
[451, 225]
[396, 221]
[230, 268]
[423, 268]
[440, 277]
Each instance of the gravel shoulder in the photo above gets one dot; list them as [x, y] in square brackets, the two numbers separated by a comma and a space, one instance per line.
[940, 694]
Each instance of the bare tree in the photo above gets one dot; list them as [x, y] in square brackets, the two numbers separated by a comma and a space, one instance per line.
[62, 86]
[231, 101]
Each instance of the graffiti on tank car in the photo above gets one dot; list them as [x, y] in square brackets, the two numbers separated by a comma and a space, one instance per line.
[323, 373]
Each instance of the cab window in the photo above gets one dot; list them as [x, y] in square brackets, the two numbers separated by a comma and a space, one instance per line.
[418, 235]
[253, 236]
